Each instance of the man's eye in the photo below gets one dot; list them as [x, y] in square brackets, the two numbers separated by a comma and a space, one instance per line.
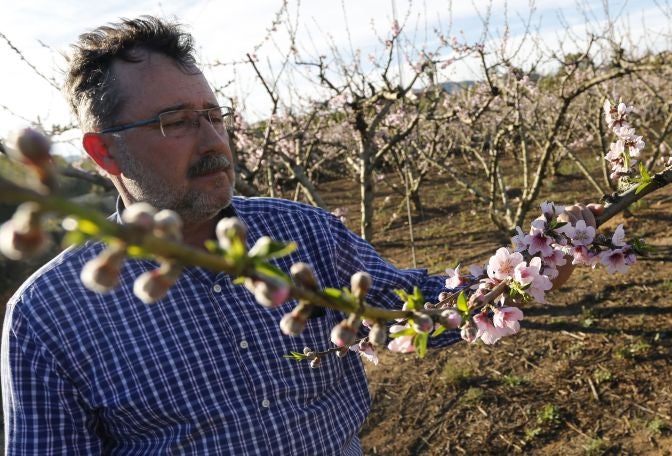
[175, 123]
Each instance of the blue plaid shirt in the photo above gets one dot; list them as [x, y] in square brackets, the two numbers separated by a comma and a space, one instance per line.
[199, 372]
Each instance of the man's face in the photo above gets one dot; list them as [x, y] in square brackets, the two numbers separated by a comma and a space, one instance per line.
[164, 171]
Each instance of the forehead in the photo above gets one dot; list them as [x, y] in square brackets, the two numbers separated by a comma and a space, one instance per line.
[158, 82]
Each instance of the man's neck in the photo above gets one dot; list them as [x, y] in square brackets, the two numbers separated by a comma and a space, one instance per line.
[196, 233]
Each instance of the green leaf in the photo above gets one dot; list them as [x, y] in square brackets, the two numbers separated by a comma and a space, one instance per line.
[420, 343]
[212, 246]
[74, 238]
[413, 301]
[136, 251]
[238, 249]
[642, 186]
[403, 332]
[266, 248]
[332, 292]
[88, 227]
[643, 172]
[644, 180]
[462, 304]
[438, 331]
[296, 356]
[270, 270]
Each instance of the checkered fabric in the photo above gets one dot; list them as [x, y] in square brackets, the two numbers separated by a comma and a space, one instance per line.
[200, 371]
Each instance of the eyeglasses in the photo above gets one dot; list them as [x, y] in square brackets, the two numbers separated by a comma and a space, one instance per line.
[183, 122]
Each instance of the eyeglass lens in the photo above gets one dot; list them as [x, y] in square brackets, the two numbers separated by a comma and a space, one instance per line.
[184, 121]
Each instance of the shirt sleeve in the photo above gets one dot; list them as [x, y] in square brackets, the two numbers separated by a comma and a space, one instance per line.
[356, 254]
[43, 411]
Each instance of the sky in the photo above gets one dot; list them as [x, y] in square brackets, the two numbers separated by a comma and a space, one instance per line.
[225, 31]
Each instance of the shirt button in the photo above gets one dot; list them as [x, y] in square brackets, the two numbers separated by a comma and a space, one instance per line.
[244, 344]
[265, 403]
[217, 288]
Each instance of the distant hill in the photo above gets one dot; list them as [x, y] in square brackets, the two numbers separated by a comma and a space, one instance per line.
[449, 86]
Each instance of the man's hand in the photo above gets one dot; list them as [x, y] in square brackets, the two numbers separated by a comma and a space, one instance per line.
[571, 215]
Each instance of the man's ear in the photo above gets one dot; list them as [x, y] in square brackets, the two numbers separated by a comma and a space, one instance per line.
[97, 149]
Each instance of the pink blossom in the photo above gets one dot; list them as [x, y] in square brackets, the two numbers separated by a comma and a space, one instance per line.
[503, 263]
[582, 234]
[402, 344]
[537, 241]
[518, 240]
[469, 333]
[455, 279]
[550, 210]
[396, 30]
[508, 318]
[582, 255]
[618, 239]
[487, 332]
[539, 283]
[476, 271]
[556, 258]
[614, 260]
[616, 116]
[367, 351]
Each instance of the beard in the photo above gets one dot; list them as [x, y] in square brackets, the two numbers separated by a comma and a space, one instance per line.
[143, 184]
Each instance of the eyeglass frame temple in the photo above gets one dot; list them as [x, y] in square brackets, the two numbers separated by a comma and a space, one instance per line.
[157, 119]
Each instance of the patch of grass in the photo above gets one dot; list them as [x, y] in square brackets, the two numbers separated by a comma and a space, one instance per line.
[531, 434]
[457, 375]
[603, 376]
[575, 349]
[471, 395]
[549, 414]
[657, 426]
[632, 350]
[595, 447]
[667, 286]
[513, 380]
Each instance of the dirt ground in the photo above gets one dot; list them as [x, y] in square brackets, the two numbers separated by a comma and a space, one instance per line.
[589, 373]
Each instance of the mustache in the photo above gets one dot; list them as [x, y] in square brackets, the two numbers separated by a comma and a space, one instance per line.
[208, 164]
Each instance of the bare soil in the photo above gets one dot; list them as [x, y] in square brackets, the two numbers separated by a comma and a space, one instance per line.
[589, 373]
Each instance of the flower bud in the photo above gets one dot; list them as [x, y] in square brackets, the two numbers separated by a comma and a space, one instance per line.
[469, 333]
[360, 283]
[378, 335]
[303, 275]
[153, 285]
[168, 225]
[293, 323]
[443, 296]
[344, 334]
[269, 292]
[310, 354]
[102, 273]
[22, 236]
[422, 323]
[229, 228]
[29, 146]
[342, 352]
[450, 318]
[261, 247]
[315, 363]
[140, 215]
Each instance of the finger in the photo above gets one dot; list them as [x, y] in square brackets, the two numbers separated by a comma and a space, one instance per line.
[570, 214]
[596, 209]
[588, 217]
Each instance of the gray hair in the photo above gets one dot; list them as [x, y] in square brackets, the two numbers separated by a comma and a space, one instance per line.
[90, 87]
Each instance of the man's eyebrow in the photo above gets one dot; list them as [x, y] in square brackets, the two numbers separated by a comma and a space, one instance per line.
[179, 106]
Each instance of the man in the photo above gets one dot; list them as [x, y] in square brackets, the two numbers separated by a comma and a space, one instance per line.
[202, 370]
